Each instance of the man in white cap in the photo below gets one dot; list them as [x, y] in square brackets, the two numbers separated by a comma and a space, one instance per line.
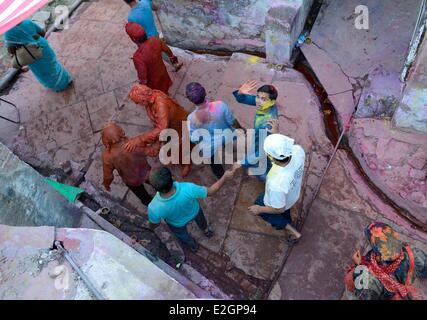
[283, 184]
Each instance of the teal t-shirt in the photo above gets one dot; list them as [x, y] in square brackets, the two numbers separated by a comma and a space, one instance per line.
[179, 209]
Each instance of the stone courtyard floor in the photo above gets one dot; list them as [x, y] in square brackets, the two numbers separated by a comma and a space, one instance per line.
[245, 258]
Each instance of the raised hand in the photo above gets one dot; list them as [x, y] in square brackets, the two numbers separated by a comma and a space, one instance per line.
[247, 87]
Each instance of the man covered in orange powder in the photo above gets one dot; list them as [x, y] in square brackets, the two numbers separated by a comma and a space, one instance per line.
[132, 167]
[148, 58]
[164, 113]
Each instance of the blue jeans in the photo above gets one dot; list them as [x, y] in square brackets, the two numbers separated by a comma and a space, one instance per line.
[182, 233]
[277, 221]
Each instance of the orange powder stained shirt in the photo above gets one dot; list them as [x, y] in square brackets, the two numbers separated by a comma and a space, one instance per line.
[132, 167]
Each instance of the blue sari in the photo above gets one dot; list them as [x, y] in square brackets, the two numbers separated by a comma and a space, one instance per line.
[47, 70]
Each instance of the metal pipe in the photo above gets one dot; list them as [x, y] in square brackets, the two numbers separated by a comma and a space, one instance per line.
[85, 279]
[12, 73]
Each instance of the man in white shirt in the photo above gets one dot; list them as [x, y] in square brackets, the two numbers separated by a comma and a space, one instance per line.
[283, 184]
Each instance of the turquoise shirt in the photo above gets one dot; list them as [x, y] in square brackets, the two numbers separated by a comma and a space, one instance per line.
[179, 209]
[142, 14]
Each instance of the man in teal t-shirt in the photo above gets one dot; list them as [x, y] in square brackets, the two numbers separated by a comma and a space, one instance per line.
[177, 204]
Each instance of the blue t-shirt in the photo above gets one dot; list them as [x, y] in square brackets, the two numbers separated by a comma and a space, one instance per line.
[220, 118]
[142, 14]
[179, 209]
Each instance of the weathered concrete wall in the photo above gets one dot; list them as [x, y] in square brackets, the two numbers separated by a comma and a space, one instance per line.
[264, 26]
[26, 200]
[412, 112]
[284, 23]
[115, 269]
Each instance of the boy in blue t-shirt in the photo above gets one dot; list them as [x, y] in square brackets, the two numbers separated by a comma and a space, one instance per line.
[142, 13]
[177, 204]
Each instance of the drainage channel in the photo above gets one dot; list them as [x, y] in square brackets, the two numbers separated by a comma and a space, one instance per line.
[333, 132]
[331, 125]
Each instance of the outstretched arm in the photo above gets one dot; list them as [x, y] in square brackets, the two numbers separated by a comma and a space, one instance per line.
[217, 185]
[161, 122]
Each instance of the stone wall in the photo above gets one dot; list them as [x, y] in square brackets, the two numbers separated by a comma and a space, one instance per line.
[26, 200]
[262, 26]
[411, 115]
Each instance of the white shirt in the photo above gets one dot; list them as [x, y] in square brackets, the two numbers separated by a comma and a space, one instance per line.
[283, 185]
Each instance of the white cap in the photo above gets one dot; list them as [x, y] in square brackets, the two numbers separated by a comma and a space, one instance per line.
[278, 146]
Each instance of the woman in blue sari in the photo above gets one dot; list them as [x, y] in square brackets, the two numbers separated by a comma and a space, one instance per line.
[48, 71]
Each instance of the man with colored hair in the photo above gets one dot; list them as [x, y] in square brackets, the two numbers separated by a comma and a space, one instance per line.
[141, 13]
[132, 167]
[210, 116]
[177, 204]
[265, 101]
[148, 59]
[164, 113]
[388, 270]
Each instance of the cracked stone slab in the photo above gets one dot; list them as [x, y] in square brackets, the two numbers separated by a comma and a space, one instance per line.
[242, 219]
[69, 124]
[317, 264]
[384, 45]
[339, 189]
[104, 10]
[109, 69]
[83, 39]
[327, 71]
[243, 67]
[101, 109]
[388, 166]
[86, 77]
[77, 151]
[257, 255]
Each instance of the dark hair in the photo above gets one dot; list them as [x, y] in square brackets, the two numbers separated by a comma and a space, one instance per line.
[195, 93]
[142, 39]
[271, 90]
[161, 180]
[129, 1]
